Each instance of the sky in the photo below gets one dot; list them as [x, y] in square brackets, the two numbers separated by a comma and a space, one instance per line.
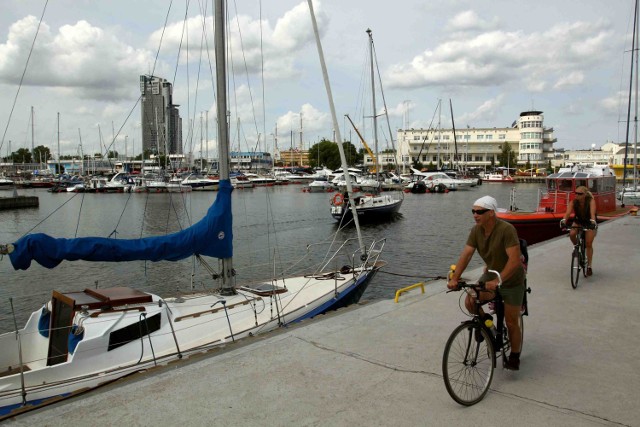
[488, 59]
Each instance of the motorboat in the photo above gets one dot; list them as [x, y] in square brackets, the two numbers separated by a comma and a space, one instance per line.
[440, 182]
[199, 182]
[543, 223]
[320, 185]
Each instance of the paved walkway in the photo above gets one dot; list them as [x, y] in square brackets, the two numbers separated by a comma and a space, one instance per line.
[379, 364]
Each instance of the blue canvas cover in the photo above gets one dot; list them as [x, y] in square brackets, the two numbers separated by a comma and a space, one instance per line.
[211, 236]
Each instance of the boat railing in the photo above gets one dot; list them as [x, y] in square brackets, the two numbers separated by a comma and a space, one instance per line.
[357, 257]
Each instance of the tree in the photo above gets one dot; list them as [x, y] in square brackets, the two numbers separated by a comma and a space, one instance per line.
[507, 158]
[23, 155]
[41, 154]
[326, 153]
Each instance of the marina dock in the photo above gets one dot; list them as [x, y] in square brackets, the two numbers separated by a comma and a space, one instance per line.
[379, 363]
[19, 202]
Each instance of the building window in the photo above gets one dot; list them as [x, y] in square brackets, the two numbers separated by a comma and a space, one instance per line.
[489, 136]
[502, 136]
[480, 137]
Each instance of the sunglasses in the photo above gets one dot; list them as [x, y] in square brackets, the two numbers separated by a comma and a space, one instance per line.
[479, 211]
[579, 194]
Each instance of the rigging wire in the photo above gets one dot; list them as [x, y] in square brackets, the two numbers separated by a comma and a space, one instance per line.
[24, 72]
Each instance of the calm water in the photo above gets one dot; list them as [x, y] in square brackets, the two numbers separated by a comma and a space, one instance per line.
[421, 243]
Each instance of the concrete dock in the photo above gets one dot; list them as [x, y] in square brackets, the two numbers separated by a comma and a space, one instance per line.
[379, 364]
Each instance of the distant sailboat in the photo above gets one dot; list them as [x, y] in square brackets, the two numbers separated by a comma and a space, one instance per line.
[375, 205]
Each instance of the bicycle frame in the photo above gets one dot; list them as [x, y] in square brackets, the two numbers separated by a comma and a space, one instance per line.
[469, 357]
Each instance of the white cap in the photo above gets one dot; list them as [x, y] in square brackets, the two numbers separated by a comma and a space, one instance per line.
[486, 202]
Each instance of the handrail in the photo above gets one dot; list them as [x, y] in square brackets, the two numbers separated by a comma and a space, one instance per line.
[407, 289]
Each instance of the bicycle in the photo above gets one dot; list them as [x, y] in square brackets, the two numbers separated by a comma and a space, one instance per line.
[469, 357]
[579, 254]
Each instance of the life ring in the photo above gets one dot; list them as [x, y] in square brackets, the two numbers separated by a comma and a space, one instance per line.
[337, 200]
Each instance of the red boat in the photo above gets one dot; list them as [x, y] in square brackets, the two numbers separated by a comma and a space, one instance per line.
[544, 223]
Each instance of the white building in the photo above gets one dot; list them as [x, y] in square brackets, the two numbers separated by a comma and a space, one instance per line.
[477, 147]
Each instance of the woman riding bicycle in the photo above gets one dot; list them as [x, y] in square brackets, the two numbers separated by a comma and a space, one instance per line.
[498, 245]
[584, 209]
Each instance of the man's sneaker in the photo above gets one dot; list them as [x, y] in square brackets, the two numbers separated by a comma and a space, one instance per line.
[512, 363]
[589, 271]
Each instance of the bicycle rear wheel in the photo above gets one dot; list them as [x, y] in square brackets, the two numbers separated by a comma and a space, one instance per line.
[576, 262]
[467, 365]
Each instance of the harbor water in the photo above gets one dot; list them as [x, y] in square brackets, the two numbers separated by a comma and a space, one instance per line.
[273, 228]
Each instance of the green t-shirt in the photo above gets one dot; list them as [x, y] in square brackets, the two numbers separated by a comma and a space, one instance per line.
[493, 249]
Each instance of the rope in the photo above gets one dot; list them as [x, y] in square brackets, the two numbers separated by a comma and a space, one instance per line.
[413, 276]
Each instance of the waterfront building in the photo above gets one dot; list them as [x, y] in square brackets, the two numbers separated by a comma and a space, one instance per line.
[530, 140]
[295, 157]
[251, 160]
[160, 117]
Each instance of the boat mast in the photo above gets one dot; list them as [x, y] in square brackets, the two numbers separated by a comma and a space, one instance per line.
[455, 142]
[635, 118]
[373, 105]
[58, 121]
[228, 279]
[336, 127]
[32, 136]
[633, 56]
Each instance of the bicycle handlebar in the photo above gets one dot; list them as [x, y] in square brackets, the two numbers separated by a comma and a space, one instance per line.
[480, 285]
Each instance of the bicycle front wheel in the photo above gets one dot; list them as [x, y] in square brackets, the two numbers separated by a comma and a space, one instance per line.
[468, 363]
[576, 262]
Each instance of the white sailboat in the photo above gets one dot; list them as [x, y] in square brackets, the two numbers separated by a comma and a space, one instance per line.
[374, 205]
[79, 340]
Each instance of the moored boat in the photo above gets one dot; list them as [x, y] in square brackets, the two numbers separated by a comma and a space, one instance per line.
[543, 224]
[497, 177]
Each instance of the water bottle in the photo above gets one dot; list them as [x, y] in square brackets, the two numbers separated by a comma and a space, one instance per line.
[488, 322]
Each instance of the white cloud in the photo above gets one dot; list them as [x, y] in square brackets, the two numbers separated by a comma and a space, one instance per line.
[487, 112]
[498, 58]
[574, 78]
[469, 21]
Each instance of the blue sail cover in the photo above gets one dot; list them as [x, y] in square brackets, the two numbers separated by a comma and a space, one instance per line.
[211, 236]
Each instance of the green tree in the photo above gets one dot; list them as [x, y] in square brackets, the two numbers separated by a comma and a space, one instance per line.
[326, 153]
[147, 154]
[23, 155]
[112, 155]
[507, 158]
[41, 154]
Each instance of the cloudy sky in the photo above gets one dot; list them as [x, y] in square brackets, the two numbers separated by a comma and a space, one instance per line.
[492, 58]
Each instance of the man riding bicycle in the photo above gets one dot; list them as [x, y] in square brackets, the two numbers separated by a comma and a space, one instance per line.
[499, 247]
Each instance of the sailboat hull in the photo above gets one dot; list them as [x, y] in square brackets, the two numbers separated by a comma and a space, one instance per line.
[122, 339]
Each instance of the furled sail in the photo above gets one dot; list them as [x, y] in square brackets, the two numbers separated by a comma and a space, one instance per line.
[211, 236]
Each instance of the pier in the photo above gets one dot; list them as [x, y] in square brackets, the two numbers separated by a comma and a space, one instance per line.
[19, 202]
[379, 363]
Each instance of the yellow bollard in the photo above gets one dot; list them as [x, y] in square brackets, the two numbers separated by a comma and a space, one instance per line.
[407, 289]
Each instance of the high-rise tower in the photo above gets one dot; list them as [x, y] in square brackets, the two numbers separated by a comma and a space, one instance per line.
[161, 121]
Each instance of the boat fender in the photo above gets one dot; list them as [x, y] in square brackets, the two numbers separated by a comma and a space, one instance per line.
[75, 336]
[44, 321]
[337, 200]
